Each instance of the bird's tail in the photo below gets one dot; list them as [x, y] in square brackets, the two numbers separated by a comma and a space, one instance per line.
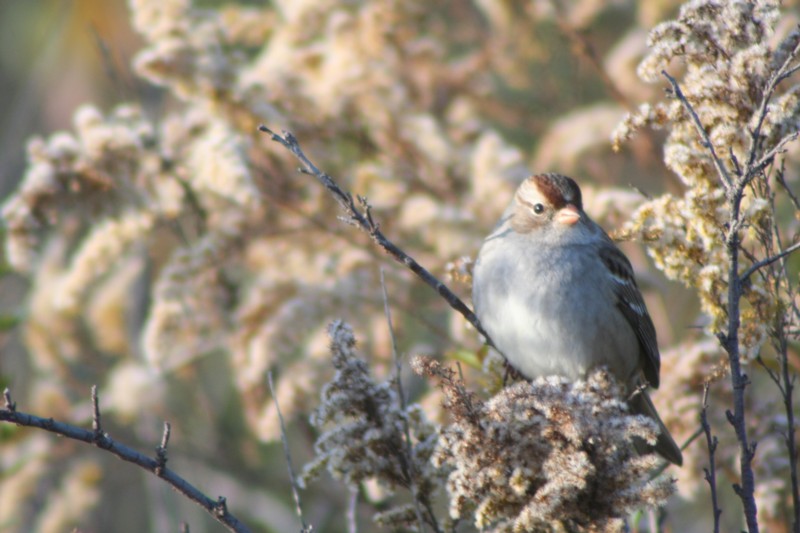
[641, 404]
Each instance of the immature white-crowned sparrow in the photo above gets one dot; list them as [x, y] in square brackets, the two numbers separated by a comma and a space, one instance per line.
[557, 297]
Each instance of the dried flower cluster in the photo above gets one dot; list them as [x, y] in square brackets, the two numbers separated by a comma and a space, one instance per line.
[175, 258]
[736, 60]
[364, 430]
[545, 455]
[725, 49]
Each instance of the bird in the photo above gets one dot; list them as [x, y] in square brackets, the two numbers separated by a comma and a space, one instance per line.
[557, 297]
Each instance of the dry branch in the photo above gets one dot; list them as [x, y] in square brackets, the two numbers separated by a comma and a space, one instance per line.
[360, 216]
[216, 508]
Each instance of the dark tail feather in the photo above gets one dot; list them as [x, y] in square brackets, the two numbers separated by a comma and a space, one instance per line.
[641, 404]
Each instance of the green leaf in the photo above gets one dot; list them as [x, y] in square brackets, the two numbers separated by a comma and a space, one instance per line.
[466, 357]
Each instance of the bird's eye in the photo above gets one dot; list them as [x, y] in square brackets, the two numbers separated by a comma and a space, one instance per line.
[538, 209]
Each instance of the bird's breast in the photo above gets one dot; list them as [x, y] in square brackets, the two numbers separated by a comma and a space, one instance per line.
[553, 314]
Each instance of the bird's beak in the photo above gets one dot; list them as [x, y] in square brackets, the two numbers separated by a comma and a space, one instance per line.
[568, 215]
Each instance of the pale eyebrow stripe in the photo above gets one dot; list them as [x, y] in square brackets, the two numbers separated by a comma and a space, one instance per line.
[525, 202]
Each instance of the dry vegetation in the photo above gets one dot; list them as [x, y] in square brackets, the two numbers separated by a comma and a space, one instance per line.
[176, 260]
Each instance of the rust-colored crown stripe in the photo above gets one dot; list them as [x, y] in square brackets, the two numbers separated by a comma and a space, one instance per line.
[558, 190]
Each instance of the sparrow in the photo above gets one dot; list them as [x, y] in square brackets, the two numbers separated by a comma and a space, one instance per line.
[557, 297]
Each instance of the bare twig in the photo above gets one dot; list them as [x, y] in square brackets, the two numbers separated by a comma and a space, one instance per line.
[352, 506]
[782, 180]
[409, 460]
[730, 339]
[412, 474]
[739, 380]
[360, 216]
[783, 72]
[790, 439]
[756, 164]
[346, 237]
[767, 159]
[691, 439]
[292, 479]
[705, 139]
[771, 373]
[215, 508]
[161, 450]
[96, 426]
[711, 471]
[9, 405]
[768, 261]
[787, 392]
[784, 379]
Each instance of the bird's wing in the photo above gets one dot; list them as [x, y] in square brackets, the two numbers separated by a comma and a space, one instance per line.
[632, 306]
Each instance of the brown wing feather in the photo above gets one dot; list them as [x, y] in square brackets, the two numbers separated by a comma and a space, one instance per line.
[632, 306]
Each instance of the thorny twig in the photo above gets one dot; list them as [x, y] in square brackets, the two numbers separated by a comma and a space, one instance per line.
[360, 216]
[216, 508]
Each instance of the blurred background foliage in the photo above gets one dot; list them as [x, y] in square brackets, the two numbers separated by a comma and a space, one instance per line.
[177, 256]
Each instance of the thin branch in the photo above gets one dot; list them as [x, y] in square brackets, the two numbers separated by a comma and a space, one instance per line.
[766, 159]
[768, 261]
[412, 475]
[9, 405]
[737, 169]
[756, 166]
[783, 72]
[96, 426]
[216, 508]
[791, 442]
[705, 139]
[346, 238]
[292, 479]
[691, 439]
[785, 381]
[161, 450]
[395, 355]
[360, 216]
[771, 373]
[730, 339]
[352, 506]
[782, 180]
[786, 386]
[790, 71]
[711, 471]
